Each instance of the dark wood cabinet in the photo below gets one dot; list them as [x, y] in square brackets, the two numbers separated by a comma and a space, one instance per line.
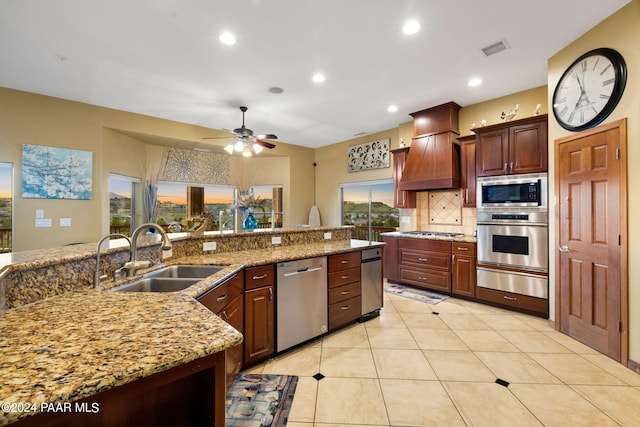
[390, 258]
[434, 162]
[344, 289]
[468, 170]
[425, 263]
[259, 313]
[516, 147]
[401, 199]
[226, 300]
[463, 270]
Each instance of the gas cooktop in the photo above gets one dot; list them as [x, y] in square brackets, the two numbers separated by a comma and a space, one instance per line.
[432, 233]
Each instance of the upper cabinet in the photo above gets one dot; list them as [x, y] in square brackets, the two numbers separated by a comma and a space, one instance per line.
[468, 170]
[401, 199]
[515, 147]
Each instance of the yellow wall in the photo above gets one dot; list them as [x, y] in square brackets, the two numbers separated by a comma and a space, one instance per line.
[621, 31]
[41, 120]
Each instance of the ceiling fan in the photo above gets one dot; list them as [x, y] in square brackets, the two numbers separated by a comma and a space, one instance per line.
[246, 142]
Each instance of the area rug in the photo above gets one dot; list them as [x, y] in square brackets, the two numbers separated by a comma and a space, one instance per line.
[416, 294]
[255, 400]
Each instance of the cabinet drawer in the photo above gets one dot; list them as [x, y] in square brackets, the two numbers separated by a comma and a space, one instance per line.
[425, 245]
[217, 298]
[343, 277]
[344, 312]
[257, 277]
[438, 261]
[345, 292]
[462, 248]
[428, 279]
[344, 261]
[511, 300]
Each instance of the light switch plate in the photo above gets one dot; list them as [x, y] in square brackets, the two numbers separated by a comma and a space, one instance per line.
[39, 213]
[327, 236]
[406, 219]
[276, 240]
[43, 222]
[209, 246]
[65, 222]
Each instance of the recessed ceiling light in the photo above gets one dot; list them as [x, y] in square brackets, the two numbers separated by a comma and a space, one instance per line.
[411, 27]
[276, 90]
[318, 78]
[476, 81]
[227, 38]
[392, 108]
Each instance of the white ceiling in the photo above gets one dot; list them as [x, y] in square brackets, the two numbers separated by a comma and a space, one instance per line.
[162, 57]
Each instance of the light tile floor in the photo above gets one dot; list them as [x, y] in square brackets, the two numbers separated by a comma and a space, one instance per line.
[436, 365]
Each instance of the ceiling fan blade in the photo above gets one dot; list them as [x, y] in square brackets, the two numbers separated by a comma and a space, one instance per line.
[220, 137]
[267, 136]
[265, 144]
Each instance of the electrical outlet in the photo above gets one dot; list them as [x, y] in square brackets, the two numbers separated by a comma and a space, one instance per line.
[43, 222]
[406, 219]
[327, 236]
[65, 222]
[209, 246]
[276, 240]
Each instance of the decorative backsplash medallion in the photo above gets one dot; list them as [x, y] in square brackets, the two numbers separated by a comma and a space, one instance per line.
[445, 207]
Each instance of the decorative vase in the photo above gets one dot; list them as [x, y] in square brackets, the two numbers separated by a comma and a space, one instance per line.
[250, 222]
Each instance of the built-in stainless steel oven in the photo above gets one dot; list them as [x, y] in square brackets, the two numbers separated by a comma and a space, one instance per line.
[513, 234]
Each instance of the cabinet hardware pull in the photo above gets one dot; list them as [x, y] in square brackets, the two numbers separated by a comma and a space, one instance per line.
[344, 292]
[270, 295]
[422, 278]
[221, 297]
[462, 249]
[509, 298]
[422, 259]
[344, 277]
[344, 261]
[224, 315]
[511, 167]
[264, 276]
[505, 168]
[346, 307]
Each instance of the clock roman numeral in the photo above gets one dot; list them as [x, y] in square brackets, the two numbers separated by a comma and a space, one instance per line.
[603, 96]
[605, 69]
[595, 64]
[608, 82]
[563, 111]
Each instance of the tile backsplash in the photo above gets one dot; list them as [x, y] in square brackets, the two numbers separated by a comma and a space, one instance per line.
[439, 210]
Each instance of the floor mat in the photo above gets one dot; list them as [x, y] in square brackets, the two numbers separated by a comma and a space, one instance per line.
[416, 294]
[255, 400]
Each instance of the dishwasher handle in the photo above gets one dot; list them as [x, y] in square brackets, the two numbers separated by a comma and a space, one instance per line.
[302, 271]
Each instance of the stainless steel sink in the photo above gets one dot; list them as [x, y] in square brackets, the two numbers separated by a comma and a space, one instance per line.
[158, 284]
[186, 271]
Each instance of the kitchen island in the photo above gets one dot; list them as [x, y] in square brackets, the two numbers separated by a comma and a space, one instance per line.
[88, 345]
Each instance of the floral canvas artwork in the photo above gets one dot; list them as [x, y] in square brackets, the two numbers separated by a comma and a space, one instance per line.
[56, 173]
[372, 155]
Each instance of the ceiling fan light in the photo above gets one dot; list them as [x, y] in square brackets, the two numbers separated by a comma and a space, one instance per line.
[239, 146]
[257, 148]
[229, 148]
[246, 152]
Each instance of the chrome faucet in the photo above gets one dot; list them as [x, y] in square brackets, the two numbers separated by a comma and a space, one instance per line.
[97, 277]
[135, 264]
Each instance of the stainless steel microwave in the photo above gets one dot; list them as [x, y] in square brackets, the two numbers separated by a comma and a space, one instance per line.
[529, 190]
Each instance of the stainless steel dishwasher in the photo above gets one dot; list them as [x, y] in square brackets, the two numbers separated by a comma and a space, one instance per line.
[301, 301]
[371, 283]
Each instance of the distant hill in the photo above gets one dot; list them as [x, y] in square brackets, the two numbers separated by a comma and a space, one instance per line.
[116, 196]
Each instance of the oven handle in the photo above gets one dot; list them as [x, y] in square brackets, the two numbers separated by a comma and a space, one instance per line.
[532, 224]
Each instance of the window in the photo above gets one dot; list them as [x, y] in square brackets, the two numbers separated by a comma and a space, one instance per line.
[185, 207]
[369, 207]
[122, 203]
[6, 206]
[269, 213]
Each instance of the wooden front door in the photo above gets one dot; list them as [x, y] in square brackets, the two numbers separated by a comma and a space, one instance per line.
[591, 189]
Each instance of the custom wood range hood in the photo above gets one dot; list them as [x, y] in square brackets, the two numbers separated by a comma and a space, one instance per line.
[433, 161]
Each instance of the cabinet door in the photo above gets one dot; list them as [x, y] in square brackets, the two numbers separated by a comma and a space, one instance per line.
[233, 314]
[401, 199]
[463, 276]
[259, 342]
[468, 166]
[390, 258]
[528, 148]
[492, 153]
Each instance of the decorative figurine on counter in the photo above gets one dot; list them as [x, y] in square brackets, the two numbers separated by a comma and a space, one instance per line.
[510, 114]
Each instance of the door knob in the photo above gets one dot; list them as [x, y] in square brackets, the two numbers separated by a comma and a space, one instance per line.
[564, 248]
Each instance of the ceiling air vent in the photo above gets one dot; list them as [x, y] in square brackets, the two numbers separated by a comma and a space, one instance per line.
[494, 48]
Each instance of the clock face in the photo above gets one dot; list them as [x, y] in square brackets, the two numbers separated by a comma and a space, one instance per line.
[589, 89]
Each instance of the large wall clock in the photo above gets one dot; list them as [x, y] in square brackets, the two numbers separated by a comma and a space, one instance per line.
[589, 89]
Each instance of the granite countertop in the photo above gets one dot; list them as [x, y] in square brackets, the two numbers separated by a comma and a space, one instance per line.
[72, 346]
[457, 238]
